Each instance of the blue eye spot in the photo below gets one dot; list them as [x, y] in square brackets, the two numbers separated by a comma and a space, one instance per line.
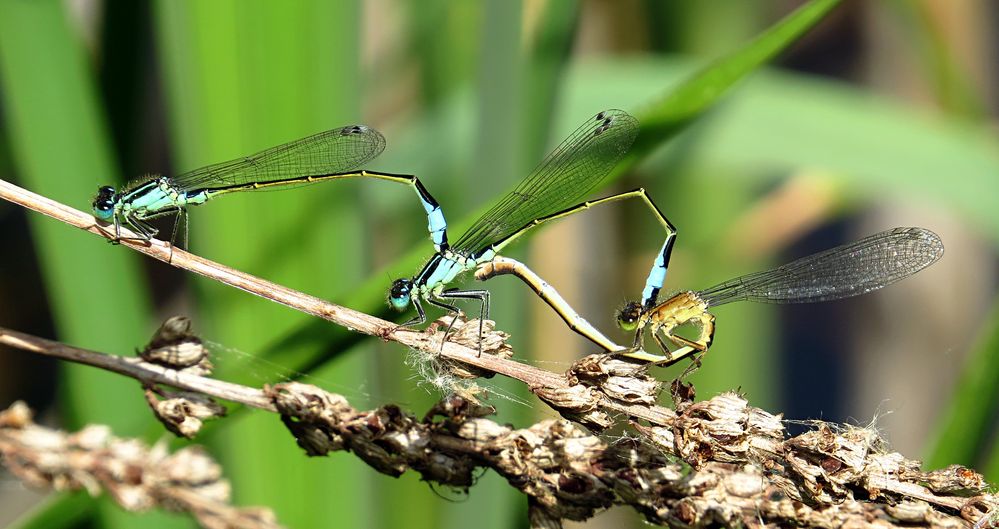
[400, 293]
[103, 210]
[399, 303]
[103, 203]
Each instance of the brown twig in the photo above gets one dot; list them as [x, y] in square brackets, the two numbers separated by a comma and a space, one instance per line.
[146, 372]
[136, 476]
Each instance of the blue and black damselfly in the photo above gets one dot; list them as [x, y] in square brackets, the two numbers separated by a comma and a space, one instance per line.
[552, 191]
[329, 155]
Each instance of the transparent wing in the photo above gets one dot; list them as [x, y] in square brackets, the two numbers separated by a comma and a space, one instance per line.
[561, 180]
[849, 270]
[330, 152]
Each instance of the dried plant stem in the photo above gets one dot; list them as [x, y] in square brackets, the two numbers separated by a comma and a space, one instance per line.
[717, 462]
[134, 367]
[136, 476]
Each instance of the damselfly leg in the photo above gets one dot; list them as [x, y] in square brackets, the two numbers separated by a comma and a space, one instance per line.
[481, 295]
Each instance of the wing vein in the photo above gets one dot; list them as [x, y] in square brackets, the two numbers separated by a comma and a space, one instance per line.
[841, 272]
[325, 153]
[561, 180]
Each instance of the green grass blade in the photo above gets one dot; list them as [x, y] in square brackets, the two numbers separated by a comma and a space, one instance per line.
[889, 147]
[499, 89]
[665, 116]
[963, 429]
[442, 37]
[727, 72]
[61, 149]
[550, 53]
[991, 469]
[499, 153]
[243, 76]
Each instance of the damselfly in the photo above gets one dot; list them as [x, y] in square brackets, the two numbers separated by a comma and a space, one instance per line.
[329, 155]
[841, 272]
[845, 271]
[552, 191]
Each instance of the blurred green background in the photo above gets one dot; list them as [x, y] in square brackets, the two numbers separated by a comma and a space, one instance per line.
[881, 116]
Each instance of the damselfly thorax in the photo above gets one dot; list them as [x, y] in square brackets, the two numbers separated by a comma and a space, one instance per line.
[681, 309]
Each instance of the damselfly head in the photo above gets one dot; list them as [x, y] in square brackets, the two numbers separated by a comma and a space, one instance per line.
[103, 203]
[628, 316]
[399, 294]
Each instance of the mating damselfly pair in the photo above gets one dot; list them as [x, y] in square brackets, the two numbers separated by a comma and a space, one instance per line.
[553, 190]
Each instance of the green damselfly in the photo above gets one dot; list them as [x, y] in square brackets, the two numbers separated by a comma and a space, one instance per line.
[852, 269]
[330, 155]
[849, 270]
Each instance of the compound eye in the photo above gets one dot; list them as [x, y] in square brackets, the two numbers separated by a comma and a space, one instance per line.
[103, 203]
[627, 317]
[400, 293]
[627, 326]
[103, 208]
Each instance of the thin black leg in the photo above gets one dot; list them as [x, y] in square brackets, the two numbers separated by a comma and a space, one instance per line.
[450, 308]
[145, 231]
[639, 334]
[481, 295]
[421, 316]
